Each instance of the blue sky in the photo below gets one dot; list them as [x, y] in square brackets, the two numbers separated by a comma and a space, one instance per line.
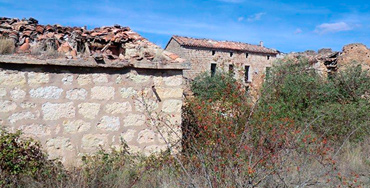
[284, 25]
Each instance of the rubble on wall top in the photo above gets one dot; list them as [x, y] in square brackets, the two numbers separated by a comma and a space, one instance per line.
[104, 44]
[224, 45]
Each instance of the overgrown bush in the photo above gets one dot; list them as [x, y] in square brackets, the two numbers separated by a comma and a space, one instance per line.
[336, 106]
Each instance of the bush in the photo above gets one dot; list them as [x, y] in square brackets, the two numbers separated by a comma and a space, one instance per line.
[7, 46]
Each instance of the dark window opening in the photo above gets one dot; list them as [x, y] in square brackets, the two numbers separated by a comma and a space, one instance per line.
[268, 72]
[231, 54]
[246, 74]
[213, 69]
[246, 55]
[213, 52]
[231, 69]
[268, 57]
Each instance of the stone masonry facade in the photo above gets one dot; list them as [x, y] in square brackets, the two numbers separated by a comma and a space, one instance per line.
[74, 111]
[201, 59]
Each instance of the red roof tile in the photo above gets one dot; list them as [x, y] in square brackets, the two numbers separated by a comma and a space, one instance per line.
[224, 45]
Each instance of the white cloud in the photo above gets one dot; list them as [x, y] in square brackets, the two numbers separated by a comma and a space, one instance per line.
[256, 17]
[240, 18]
[298, 31]
[332, 27]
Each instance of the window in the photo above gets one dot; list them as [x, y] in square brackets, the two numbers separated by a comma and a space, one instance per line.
[231, 69]
[268, 72]
[231, 54]
[213, 52]
[268, 57]
[213, 69]
[246, 74]
[246, 55]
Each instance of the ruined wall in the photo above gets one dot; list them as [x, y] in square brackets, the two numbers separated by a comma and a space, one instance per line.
[73, 110]
[201, 60]
[354, 53]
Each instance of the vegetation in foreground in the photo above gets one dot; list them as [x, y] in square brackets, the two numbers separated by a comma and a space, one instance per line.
[304, 131]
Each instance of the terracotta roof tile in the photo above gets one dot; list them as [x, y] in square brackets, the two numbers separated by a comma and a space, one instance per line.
[224, 45]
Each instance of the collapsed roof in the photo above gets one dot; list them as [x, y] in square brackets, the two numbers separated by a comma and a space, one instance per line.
[107, 44]
[223, 45]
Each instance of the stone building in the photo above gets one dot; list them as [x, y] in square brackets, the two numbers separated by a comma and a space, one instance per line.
[248, 62]
[76, 89]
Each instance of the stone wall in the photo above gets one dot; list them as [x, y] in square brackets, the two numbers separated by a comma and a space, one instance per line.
[74, 110]
[201, 60]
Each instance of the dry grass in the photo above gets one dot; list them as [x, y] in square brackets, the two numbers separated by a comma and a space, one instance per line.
[7, 46]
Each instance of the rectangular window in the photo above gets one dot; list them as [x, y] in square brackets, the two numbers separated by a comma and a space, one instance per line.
[268, 72]
[213, 52]
[246, 74]
[246, 55]
[231, 69]
[231, 54]
[268, 57]
[213, 69]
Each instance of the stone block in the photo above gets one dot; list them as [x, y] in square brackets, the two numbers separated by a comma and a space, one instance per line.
[27, 105]
[146, 136]
[21, 116]
[165, 93]
[128, 135]
[128, 92]
[7, 106]
[67, 79]
[17, 94]
[50, 92]
[102, 92]
[118, 108]
[37, 78]
[84, 79]
[109, 123]
[8, 78]
[100, 78]
[89, 110]
[39, 130]
[53, 111]
[172, 105]
[57, 147]
[77, 94]
[173, 80]
[134, 120]
[92, 142]
[137, 78]
[76, 126]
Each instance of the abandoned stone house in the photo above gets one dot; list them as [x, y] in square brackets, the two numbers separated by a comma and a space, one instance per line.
[248, 62]
[76, 89]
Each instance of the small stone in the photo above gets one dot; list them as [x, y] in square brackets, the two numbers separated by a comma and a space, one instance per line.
[172, 106]
[137, 78]
[169, 92]
[146, 136]
[92, 142]
[17, 94]
[102, 93]
[109, 123]
[57, 147]
[50, 92]
[89, 110]
[7, 106]
[100, 78]
[77, 94]
[118, 108]
[37, 78]
[21, 116]
[134, 120]
[76, 126]
[57, 111]
[128, 135]
[83, 79]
